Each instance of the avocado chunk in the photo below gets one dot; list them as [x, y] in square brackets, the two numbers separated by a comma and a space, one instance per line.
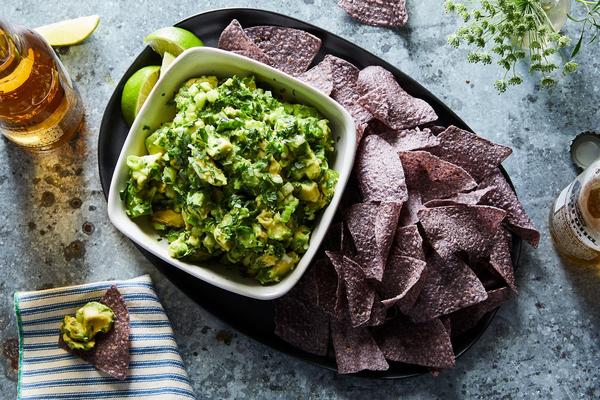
[282, 266]
[309, 191]
[276, 228]
[218, 146]
[169, 218]
[79, 331]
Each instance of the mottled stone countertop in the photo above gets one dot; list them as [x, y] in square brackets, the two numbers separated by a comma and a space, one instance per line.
[54, 228]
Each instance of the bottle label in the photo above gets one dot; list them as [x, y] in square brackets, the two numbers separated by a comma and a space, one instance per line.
[569, 225]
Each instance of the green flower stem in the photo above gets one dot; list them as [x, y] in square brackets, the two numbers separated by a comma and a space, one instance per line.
[509, 31]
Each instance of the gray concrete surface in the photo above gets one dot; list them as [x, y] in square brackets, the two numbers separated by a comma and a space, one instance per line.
[544, 344]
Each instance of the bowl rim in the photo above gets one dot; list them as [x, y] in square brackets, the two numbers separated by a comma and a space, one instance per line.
[116, 210]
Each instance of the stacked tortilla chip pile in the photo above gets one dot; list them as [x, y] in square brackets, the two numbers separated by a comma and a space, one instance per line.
[422, 248]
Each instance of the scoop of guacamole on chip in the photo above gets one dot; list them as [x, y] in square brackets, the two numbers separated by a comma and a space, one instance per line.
[79, 331]
[238, 176]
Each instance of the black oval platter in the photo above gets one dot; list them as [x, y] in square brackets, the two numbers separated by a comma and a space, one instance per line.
[252, 317]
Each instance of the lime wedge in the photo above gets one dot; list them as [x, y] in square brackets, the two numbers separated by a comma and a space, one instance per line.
[166, 62]
[136, 90]
[69, 32]
[172, 40]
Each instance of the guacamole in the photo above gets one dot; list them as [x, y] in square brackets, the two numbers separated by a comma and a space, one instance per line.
[238, 176]
[79, 332]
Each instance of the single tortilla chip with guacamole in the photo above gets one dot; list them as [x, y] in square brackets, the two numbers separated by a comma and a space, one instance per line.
[111, 352]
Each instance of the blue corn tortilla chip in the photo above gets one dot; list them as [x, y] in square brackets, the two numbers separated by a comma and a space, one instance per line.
[410, 209]
[404, 140]
[289, 50]
[401, 275]
[372, 227]
[379, 172]
[378, 313]
[388, 13]
[234, 39]
[327, 283]
[355, 349]
[111, 352]
[429, 178]
[427, 344]
[447, 324]
[404, 268]
[359, 294]
[407, 302]
[340, 309]
[433, 128]
[432, 177]
[470, 198]
[476, 155]
[467, 318]
[449, 286]
[502, 196]
[298, 318]
[347, 246]
[501, 258]
[383, 97]
[301, 325]
[462, 228]
[320, 77]
[408, 242]
[345, 92]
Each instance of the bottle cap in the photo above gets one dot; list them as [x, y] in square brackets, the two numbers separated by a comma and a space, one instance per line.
[585, 149]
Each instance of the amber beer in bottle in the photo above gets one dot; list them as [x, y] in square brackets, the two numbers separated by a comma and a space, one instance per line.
[39, 107]
[575, 219]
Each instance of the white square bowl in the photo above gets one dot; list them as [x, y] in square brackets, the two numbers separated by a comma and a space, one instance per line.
[157, 110]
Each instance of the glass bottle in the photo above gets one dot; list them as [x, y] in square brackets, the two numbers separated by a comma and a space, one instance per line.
[39, 107]
[575, 219]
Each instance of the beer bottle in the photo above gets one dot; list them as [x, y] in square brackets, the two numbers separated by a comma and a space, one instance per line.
[39, 107]
[575, 219]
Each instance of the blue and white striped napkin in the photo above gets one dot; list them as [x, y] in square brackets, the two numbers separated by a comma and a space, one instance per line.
[46, 371]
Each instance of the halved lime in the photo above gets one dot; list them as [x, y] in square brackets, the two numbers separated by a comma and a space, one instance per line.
[166, 62]
[69, 32]
[172, 40]
[136, 90]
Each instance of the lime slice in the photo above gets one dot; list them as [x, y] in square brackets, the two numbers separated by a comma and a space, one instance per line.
[166, 62]
[69, 32]
[172, 40]
[136, 90]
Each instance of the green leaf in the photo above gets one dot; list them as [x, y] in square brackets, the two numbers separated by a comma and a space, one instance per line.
[577, 46]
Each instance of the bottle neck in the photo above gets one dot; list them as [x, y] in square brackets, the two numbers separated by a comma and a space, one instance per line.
[9, 46]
